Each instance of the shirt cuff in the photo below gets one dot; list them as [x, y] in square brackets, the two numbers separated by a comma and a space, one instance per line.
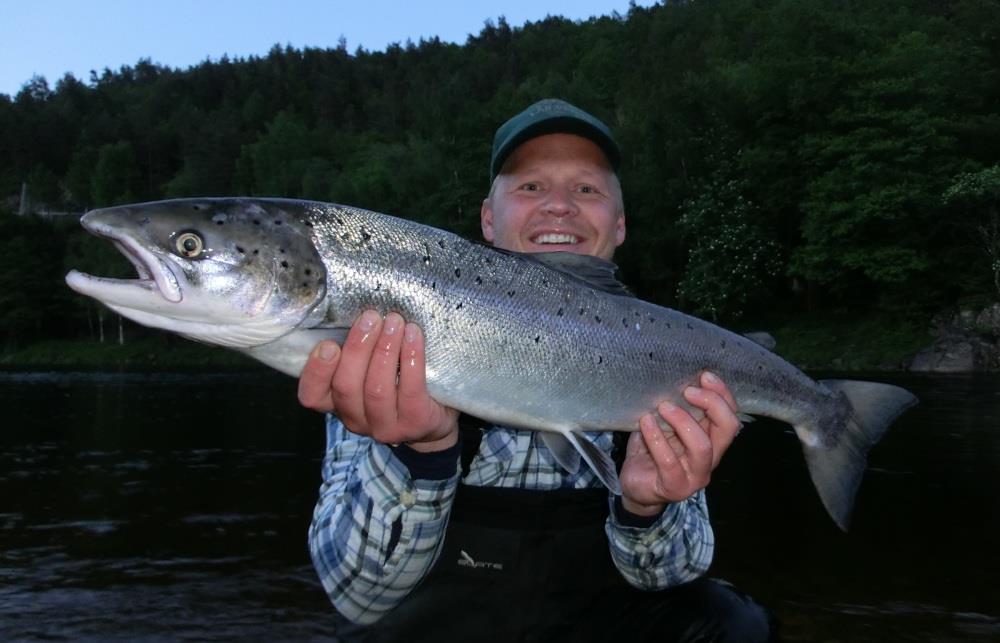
[626, 518]
[436, 465]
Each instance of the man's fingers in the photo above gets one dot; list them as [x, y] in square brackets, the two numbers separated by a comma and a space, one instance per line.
[697, 460]
[412, 372]
[657, 444]
[380, 380]
[712, 382]
[314, 381]
[722, 421]
[349, 381]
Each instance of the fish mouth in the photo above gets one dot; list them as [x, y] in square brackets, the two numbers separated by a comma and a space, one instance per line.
[155, 276]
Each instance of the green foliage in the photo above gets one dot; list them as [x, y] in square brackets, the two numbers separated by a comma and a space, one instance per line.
[114, 178]
[764, 144]
[977, 195]
[731, 260]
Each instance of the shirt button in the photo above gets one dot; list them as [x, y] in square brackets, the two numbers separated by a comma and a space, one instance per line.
[406, 499]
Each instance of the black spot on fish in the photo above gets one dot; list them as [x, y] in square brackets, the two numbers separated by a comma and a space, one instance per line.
[441, 243]
[479, 281]
[196, 207]
[378, 285]
[625, 322]
[219, 222]
[458, 272]
[597, 319]
[582, 311]
[434, 285]
[345, 236]
[459, 306]
[305, 285]
[538, 338]
[338, 220]
[277, 222]
[281, 250]
[690, 327]
[284, 264]
[240, 250]
[256, 251]
[308, 272]
[256, 221]
[364, 235]
[559, 313]
[650, 354]
[308, 224]
[511, 293]
[600, 359]
[722, 343]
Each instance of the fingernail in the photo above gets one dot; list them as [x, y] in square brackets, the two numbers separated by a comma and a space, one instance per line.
[326, 351]
[668, 407]
[368, 320]
[392, 323]
[410, 332]
[709, 378]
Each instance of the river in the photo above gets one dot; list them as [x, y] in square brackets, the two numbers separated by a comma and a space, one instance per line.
[175, 506]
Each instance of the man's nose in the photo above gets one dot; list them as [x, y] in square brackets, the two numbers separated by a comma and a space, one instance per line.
[560, 203]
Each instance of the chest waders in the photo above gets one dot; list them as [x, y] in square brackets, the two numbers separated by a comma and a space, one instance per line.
[524, 565]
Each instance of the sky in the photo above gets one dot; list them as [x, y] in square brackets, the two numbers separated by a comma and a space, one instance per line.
[52, 37]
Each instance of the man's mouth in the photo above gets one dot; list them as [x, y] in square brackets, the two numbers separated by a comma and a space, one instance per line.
[554, 238]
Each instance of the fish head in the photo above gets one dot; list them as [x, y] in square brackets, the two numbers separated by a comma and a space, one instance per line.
[232, 272]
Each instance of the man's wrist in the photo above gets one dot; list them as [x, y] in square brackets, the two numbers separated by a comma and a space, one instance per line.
[640, 510]
[440, 444]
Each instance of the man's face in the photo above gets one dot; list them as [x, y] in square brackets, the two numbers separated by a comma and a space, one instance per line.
[556, 192]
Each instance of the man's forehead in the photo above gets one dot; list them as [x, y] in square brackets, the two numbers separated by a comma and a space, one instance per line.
[564, 150]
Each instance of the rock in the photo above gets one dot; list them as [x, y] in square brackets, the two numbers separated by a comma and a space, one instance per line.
[968, 342]
[766, 340]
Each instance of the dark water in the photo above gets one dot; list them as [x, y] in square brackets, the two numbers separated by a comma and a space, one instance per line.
[176, 506]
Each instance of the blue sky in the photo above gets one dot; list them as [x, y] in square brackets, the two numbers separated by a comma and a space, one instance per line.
[52, 37]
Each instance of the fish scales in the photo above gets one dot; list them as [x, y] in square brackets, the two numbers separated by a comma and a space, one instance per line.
[509, 330]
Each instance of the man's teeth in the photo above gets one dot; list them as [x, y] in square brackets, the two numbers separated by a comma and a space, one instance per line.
[556, 238]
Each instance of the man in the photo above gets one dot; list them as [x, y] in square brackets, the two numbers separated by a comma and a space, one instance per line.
[525, 543]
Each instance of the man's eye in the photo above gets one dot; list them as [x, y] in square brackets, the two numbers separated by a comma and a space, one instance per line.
[588, 189]
[530, 187]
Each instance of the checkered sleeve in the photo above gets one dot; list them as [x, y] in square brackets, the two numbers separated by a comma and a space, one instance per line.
[376, 531]
[675, 549]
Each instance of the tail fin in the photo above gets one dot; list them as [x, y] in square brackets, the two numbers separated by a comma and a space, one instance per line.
[836, 468]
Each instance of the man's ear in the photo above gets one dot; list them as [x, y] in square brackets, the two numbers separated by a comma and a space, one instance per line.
[620, 230]
[486, 220]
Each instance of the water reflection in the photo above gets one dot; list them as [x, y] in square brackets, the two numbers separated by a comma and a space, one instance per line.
[176, 505]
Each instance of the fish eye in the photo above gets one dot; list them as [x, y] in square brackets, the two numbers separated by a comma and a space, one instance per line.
[189, 244]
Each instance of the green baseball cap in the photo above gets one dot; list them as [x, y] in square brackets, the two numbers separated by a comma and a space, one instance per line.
[551, 116]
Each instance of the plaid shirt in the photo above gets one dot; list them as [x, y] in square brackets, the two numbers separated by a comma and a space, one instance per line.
[378, 529]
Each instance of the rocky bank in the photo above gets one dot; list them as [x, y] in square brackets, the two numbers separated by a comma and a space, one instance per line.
[967, 342]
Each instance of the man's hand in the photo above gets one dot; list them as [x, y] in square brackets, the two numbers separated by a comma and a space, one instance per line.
[377, 385]
[663, 466]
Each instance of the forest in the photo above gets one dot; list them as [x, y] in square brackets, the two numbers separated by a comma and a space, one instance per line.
[780, 157]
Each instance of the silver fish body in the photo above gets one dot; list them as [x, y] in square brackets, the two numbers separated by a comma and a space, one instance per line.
[510, 338]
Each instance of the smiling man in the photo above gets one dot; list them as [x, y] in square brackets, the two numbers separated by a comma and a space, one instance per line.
[428, 531]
